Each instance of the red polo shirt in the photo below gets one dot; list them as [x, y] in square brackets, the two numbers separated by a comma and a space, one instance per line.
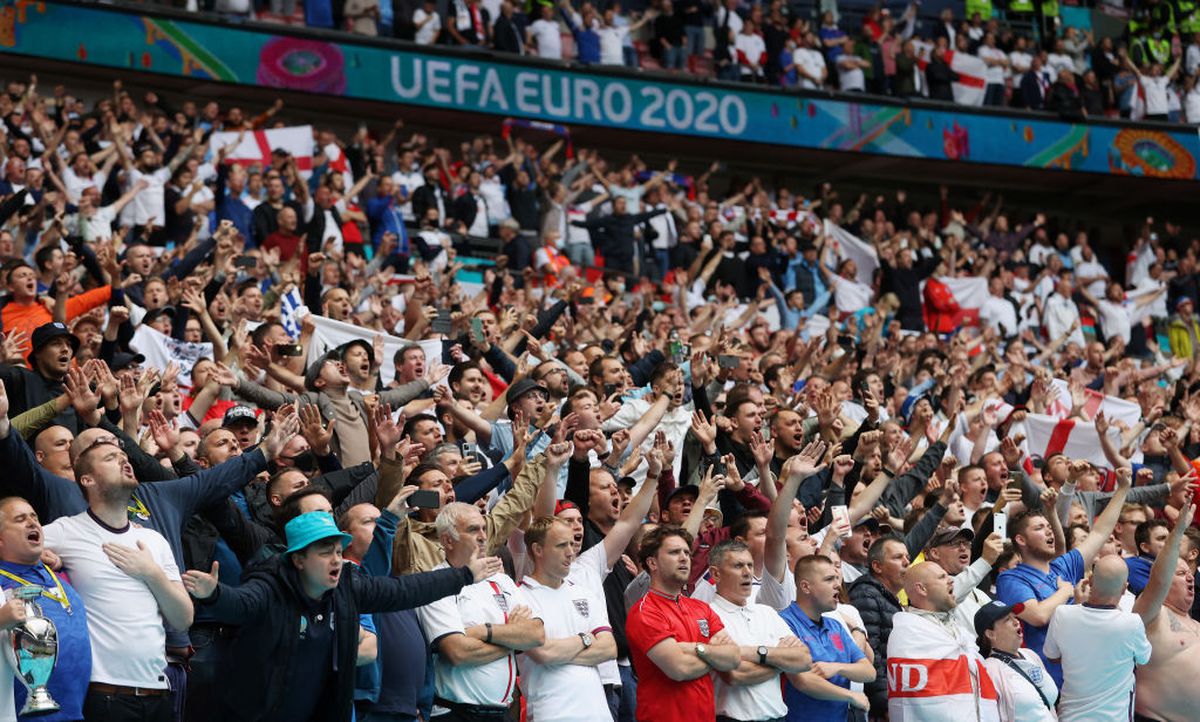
[656, 617]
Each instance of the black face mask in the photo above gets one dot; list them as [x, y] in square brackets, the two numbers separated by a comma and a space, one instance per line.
[305, 461]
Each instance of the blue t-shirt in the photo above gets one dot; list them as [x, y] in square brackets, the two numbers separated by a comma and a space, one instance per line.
[1139, 573]
[829, 641]
[69, 681]
[1023, 582]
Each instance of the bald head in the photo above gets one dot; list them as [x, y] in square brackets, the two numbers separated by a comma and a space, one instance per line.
[1108, 579]
[929, 587]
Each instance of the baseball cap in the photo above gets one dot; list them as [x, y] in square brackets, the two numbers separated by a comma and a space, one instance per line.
[993, 612]
[239, 415]
[312, 527]
[522, 387]
[45, 333]
[158, 313]
[562, 505]
[690, 489]
[123, 360]
[365, 344]
[946, 535]
[314, 369]
[1182, 300]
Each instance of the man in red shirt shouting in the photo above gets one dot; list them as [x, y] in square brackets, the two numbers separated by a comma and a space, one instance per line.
[675, 641]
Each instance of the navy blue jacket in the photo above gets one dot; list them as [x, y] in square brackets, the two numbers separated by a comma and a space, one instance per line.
[268, 607]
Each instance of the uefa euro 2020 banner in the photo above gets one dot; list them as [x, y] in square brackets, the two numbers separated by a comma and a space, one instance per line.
[375, 70]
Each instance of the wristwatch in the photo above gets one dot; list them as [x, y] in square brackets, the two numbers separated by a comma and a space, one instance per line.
[701, 650]
[762, 654]
[587, 639]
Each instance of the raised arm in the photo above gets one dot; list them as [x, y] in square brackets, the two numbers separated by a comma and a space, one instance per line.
[1149, 603]
[1107, 521]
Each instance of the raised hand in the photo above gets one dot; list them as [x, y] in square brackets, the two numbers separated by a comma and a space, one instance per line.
[704, 431]
[281, 433]
[733, 478]
[201, 585]
[762, 450]
[164, 433]
[806, 463]
[619, 442]
[312, 428]
[387, 431]
[484, 567]
[557, 454]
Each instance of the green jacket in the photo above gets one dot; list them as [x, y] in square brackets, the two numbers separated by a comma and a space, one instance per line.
[1181, 339]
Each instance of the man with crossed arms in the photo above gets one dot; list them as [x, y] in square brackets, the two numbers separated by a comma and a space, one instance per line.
[751, 692]
[560, 679]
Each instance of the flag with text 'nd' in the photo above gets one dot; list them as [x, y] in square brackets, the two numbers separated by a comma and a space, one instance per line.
[256, 146]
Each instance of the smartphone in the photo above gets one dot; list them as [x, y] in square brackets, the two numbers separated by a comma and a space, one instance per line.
[727, 361]
[477, 331]
[442, 323]
[585, 301]
[864, 388]
[610, 389]
[246, 262]
[425, 499]
[1000, 524]
[289, 349]
[841, 513]
[468, 450]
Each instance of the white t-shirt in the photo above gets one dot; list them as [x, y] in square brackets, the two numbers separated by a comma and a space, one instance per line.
[994, 74]
[1099, 649]
[1093, 269]
[753, 625]
[1155, 89]
[1191, 104]
[851, 77]
[411, 180]
[489, 601]
[612, 41]
[1057, 62]
[565, 692]
[1116, 319]
[998, 312]
[148, 203]
[752, 49]
[590, 569]
[764, 590]
[76, 185]
[812, 62]
[425, 36]
[1019, 62]
[124, 623]
[1019, 701]
[547, 37]
[849, 295]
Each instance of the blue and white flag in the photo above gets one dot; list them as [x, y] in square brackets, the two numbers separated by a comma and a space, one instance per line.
[293, 311]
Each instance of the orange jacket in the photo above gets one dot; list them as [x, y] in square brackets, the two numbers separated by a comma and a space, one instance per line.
[28, 316]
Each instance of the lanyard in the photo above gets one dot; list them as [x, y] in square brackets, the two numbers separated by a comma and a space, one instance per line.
[138, 509]
[59, 595]
[1009, 660]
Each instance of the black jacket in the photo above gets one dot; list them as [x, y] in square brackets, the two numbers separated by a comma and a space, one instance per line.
[506, 35]
[617, 232]
[426, 197]
[268, 609]
[1032, 96]
[877, 606]
[940, 79]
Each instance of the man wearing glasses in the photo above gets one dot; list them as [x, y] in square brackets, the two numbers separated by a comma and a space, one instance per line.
[950, 547]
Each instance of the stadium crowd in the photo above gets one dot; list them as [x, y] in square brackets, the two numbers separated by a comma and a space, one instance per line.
[1025, 55]
[766, 463]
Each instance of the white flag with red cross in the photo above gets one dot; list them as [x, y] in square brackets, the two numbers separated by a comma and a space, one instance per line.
[256, 146]
[1115, 409]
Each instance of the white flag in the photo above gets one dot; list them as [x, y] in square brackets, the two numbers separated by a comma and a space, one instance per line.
[329, 334]
[847, 245]
[160, 349]
[256, 146]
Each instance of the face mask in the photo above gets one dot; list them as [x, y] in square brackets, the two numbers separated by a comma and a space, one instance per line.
[305, 461]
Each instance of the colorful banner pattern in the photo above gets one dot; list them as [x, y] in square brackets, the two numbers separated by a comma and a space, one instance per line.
[122, 39]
